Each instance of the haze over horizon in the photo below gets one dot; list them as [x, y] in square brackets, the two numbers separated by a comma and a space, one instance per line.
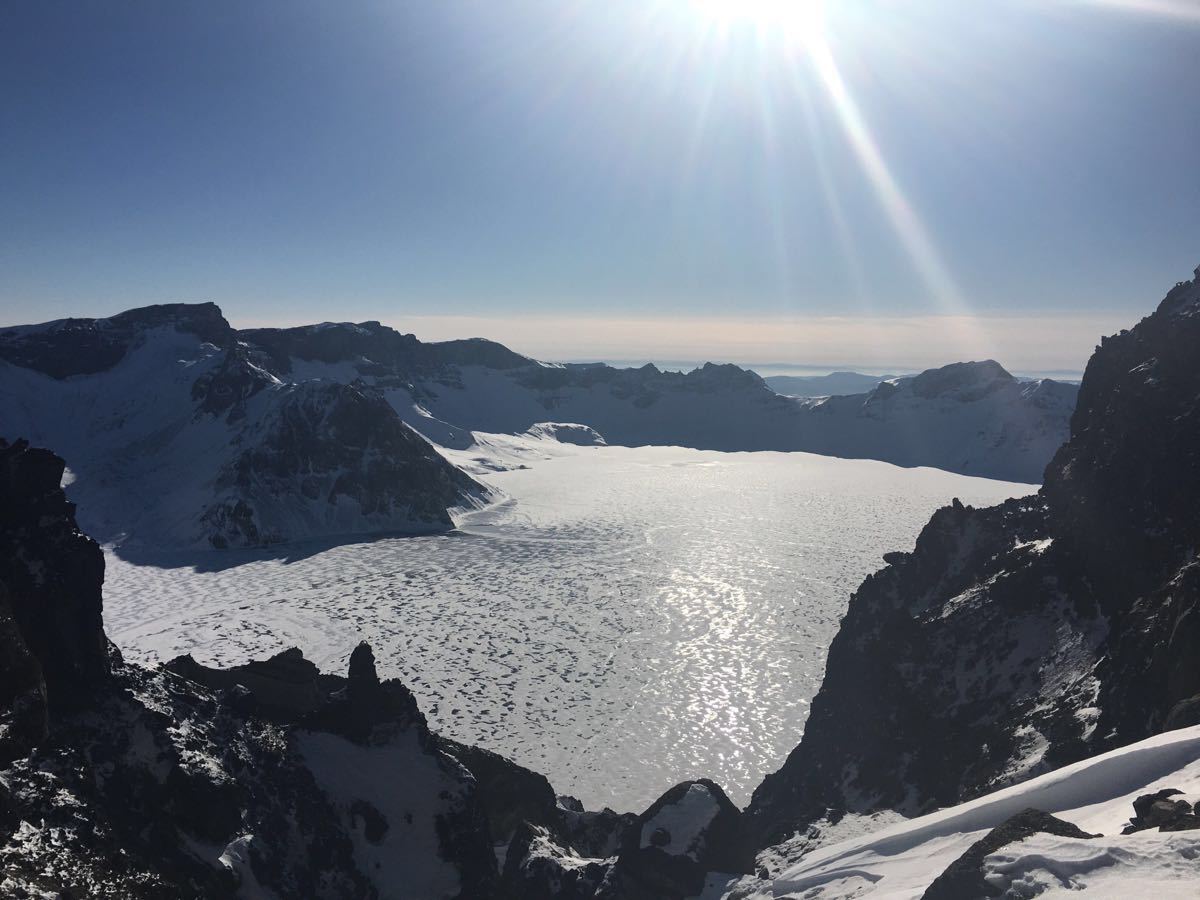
[862, 184]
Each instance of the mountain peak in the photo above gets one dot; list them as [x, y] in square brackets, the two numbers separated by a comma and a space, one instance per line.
[963, 380]
[66, 347]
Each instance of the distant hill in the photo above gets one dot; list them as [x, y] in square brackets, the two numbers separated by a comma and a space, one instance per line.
[831, 385]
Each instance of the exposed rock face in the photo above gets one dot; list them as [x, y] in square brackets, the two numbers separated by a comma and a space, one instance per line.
[1166, 810]
[271, 779]
[50, 576]
[182, 435]
[665, 853]
[69, 347]
[355, 466]
[1019, 638]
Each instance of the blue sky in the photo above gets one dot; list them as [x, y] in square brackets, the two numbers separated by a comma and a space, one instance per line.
[582, 178]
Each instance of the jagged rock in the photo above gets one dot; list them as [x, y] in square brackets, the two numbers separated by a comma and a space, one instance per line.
[329, 458]
[24, 714]
[537, 867]
[1182, 714]
[664, 853]
[283, 689]
[689, 831]
[1016, 639]
[1165, 810]
[225, 390]
[963, 879]
[510, 794]
[593, 833]
[51, 575]
[159, 787]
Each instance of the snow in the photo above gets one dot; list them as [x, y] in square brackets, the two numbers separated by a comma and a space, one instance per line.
[900, 861]
[683, 822]
[1146, 864]
[144, 465]
[236, 858]
[983, 422]
[628, 619]
[404, 783]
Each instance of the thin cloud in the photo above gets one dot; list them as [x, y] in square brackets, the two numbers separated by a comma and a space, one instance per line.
[1041, 343]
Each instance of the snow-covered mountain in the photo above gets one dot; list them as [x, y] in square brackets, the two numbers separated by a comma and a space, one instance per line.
[1017, 639]
[178, 436]
[181, 431]
[971, 418]
[1029, 668]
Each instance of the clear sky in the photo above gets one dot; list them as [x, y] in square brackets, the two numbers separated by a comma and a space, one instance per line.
[859, 181]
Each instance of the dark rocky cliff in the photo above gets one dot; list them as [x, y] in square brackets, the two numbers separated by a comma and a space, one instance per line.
[121, 781]
[1016, 639]
[85, 346]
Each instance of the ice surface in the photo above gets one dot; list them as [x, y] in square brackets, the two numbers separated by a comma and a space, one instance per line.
[631, 618]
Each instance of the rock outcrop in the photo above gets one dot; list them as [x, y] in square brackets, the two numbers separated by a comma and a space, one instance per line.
[271, 779]
[1016, 639]
[331, 459]
[964, 878]
[52, 645]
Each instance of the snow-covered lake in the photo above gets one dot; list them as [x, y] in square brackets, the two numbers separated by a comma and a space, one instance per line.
[630, 618]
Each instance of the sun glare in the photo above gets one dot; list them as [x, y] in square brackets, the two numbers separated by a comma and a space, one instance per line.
[800, 20]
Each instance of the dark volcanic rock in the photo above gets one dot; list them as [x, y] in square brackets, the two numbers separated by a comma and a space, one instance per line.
[84, 346]
[226, 390]
[511, 795]
[1016, 639]
[665, 853]
[50, 575]
[689, 831]
[334, 458]
[963, 879]
[122, 782]
[376, 349]
[1165, 810]
[282, 689]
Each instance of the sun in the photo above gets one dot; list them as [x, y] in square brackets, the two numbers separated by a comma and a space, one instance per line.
[800, 20]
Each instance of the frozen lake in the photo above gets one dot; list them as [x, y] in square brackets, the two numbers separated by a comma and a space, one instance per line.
[630, 618]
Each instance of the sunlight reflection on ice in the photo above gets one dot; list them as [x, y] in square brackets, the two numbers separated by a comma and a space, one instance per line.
[634, 618]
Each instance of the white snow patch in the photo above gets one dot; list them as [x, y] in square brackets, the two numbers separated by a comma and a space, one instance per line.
[405, 784]
[899, 862]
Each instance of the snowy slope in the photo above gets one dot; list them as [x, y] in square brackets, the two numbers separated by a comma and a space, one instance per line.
[971, 418]
[173, 440]
[899, 862]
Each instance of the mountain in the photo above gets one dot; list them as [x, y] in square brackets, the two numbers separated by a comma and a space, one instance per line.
[184, 432]
[1021, 664]
[1015, 640]
[180, 435]
[972, 418]
[834, 384]
[121, 781]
